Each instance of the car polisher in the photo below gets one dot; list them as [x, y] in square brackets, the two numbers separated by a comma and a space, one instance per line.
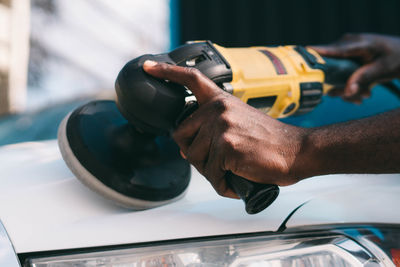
[124, 150]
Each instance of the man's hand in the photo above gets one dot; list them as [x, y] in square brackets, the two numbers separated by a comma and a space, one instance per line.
[378, 54]
[225, 134]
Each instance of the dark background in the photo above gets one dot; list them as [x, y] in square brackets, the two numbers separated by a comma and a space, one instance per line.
[271, 22]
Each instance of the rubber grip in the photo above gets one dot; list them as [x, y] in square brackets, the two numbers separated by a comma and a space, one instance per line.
[256, 196]
[338, 71]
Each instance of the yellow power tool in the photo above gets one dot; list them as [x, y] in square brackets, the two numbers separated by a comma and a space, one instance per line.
[281, 81]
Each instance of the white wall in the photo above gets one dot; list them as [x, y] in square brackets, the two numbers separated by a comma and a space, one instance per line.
[79, 46]
[14, 40]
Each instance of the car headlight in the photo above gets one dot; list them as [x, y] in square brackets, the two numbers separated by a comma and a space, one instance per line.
[315, 248]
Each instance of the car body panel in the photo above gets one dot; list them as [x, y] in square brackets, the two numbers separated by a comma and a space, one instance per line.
[7, 254]
[44, 207]
[375, 199]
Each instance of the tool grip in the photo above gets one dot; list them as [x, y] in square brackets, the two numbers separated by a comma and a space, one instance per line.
[338, 70]
[256, 196]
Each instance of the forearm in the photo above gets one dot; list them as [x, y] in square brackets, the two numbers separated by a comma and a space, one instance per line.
[370, 145]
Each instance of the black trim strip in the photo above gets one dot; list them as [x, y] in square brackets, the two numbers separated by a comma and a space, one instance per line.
[279, 67]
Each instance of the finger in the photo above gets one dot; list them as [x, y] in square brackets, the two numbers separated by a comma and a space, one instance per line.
[203, 88]
[336, 91]
[327, 50]
[198, 150]
[340, 50]
[185, 132]
[207, 161]
[361, 80]
[356, 99]
[349, 45]
[215, 173]
[359, 96]
[339, 92]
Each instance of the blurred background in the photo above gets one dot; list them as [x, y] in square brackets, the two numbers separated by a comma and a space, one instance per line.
[58, 54]
[275, 22]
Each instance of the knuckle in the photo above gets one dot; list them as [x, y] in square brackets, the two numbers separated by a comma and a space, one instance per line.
[283, 166]
[225, 121]
[194, 74]
[220, 105]
[228, 142]
[163, 67]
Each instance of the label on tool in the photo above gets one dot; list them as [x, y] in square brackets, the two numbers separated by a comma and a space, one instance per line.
[279, 67]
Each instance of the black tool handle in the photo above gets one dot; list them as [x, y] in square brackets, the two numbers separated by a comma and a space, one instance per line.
[338, 71]
[256, 196]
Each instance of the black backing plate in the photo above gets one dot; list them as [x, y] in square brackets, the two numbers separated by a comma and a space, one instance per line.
[134, 164]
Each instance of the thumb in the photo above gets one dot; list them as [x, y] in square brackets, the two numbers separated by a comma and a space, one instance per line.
[341, 49]
[202, 87]
[363, 78]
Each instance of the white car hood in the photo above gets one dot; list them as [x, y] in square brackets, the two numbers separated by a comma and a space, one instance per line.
[44, 207]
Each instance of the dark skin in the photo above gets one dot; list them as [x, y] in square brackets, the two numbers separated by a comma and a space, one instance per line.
[379, 56]
[227, 134]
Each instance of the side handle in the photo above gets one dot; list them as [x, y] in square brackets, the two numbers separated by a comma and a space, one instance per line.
[338, 71]
[255, 196]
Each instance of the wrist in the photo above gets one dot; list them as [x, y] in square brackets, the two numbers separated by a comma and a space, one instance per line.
[308, 161]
